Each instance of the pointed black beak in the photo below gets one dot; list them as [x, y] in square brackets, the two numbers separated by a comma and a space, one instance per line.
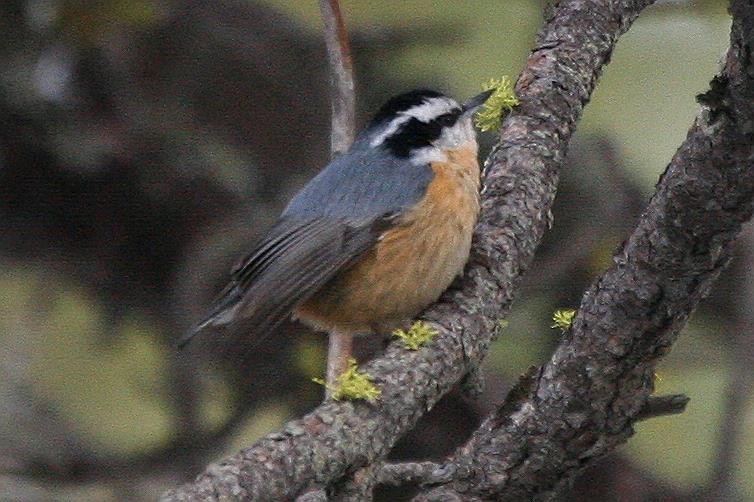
[472, 104]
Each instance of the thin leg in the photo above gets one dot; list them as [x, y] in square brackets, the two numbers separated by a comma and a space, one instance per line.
[338, 353]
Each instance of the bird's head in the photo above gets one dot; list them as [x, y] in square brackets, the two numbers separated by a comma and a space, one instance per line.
[422, 125]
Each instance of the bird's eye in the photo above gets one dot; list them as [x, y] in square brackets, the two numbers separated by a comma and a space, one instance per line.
[446, 120]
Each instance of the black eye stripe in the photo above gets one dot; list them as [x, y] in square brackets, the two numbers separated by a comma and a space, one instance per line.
[416, 134]
[448, 119]
[412, 135]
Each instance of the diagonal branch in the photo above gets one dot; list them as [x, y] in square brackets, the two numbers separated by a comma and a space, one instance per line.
[519, 187]
[584, 401]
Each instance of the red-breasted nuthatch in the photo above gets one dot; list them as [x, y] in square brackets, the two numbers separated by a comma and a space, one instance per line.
[376, 236]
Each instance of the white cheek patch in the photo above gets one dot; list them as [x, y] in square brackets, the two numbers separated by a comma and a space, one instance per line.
[428, 154]
[453, 137]
[458, 136]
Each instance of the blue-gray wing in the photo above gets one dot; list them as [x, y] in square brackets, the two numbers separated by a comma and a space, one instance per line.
[363, 184]
[296, 258]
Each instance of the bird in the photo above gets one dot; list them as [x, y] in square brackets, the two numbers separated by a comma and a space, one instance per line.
[375, 237]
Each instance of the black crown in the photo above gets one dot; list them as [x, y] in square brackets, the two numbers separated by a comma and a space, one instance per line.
[403, 102]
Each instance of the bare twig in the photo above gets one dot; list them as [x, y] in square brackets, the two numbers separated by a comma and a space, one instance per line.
[658, 406]
[341, 76]
[343, 97]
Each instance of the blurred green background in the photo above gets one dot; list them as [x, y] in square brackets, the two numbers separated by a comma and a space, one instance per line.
[146, 144]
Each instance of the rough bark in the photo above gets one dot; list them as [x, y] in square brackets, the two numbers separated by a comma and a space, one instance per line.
[520, 178]
[584, 401]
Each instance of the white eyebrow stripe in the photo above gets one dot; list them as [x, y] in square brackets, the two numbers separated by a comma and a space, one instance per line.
[389, 130]
[429, 110]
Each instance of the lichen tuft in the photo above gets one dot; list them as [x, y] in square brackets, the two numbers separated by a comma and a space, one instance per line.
[352, 385]
[503, 100]
[562, 319]
[417, 336]
[501, 324]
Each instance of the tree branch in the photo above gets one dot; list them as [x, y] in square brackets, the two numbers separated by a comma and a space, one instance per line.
[343, 98]
[659, 406]
[519, 186]
[584, 401]
[413, 472]
[342, 87]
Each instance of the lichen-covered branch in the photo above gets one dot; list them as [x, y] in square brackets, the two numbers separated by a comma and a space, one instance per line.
[584, 401]
[521, 174]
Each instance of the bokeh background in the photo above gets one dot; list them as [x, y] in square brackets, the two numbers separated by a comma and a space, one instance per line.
[146, 144]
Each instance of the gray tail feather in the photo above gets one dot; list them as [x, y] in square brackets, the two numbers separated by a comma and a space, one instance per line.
[221, 314]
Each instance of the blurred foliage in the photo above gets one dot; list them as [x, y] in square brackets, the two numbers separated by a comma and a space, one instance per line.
[655, 74]
[144, 144]
[103, 389]
[91, 22]
[688, 443]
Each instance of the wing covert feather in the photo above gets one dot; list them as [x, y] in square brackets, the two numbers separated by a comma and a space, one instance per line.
[296, 259]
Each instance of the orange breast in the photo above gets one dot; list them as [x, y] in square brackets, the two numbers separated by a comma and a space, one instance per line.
[413, 263]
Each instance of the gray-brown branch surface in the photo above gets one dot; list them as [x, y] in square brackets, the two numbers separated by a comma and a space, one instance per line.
[520, 178]
[584, 401]
[343, 102]
[342, 86]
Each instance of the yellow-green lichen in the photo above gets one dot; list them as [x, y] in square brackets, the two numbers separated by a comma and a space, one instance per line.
[503, 100]
[352, 385]
[501, 324]
[562, 319]
[417, 336]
